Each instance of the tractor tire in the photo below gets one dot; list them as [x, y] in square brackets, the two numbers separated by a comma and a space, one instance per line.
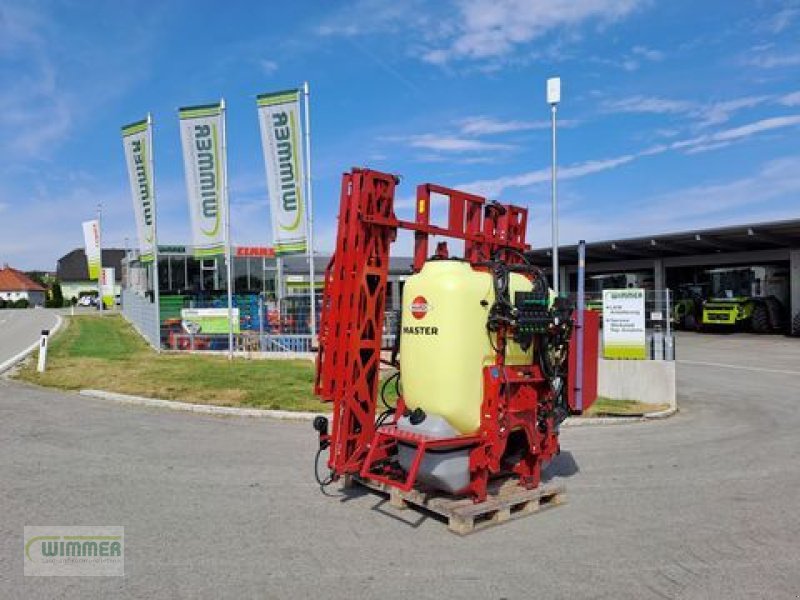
[775, 312]
[760, 319]
[690, 323]
[796, 325]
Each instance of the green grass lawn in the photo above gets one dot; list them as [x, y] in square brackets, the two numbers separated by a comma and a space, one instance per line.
[607, 406]
[94, 352]
[105, 353]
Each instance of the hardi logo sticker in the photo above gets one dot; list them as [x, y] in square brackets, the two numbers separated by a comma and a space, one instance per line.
[420, 307]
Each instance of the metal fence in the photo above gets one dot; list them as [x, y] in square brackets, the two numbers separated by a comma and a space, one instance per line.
[272, 328]
[248, 342]
[140, 311]
[267, 327]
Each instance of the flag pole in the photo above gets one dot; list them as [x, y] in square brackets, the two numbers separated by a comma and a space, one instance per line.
[228, 261]
[156, 292]
[310, 211]
[100, 246]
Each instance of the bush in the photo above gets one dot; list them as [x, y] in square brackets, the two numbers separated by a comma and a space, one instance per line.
[21, 303]
[55, 296]
[2, 303]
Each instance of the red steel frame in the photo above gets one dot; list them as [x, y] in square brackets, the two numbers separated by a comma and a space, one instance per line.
[516, 398]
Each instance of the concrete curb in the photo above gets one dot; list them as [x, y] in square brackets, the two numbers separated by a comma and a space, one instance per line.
[207, 409]
[18, 358]
[288, 415]
[653, 416]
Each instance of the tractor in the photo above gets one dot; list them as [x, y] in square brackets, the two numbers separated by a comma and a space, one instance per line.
[747, 298]
[687, 308]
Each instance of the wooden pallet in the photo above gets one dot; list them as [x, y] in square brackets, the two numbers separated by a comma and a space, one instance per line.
[505, 501]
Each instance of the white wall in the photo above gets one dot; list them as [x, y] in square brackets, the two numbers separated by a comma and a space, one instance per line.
[649, 381]
[33, 298]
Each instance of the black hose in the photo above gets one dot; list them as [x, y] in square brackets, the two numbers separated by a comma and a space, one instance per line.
[323, 483]
[529, 265]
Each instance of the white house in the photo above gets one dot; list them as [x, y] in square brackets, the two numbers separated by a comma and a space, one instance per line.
[15, 286]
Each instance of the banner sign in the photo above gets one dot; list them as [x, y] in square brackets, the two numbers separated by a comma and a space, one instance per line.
[260, 251]
[279, 117]
[204, 165]
[107, 290]
[91, 244]
[624, 324]
[208, 320]
[173, 249]
[137, 142]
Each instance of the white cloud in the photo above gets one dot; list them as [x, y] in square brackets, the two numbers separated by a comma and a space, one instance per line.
[745, 131]
[632, 61]
[648, 53]
[771, 192]
[721, 112]
[648, 104]
[496, 187]
[487, 125]
[792, 99]
[781, 20]
[444, 143]
[483, 125]
[705, 114]
[493, 188]
[774, 61]
[368, 17]
[487, 29]
[34, 112]
[707, 147]
[268, 67]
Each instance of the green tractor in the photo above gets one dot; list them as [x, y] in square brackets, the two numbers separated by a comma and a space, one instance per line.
[687, 306]
[747, 299]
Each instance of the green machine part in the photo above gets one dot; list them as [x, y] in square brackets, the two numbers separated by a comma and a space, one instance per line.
[728, 312]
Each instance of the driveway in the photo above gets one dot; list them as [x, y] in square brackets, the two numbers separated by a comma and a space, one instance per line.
[703, 505]
[20, 328]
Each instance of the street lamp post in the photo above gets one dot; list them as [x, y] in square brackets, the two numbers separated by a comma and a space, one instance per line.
[553, 98]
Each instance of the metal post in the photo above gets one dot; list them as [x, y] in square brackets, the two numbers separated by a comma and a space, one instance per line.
[553, 98]
[100, 244]
[580, 326]
[554, 198]
[310, 212]
[279, 281]
[261, 315]
[228, 260]
[669, 343]
[156, 291]
[42, 364]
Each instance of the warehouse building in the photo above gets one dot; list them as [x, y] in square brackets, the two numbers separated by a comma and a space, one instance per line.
[255, 271]
[759, 259]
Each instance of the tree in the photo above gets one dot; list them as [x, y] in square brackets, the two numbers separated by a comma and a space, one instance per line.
[56, 296]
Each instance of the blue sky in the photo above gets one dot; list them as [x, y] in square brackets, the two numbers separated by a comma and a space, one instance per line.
[675, 114]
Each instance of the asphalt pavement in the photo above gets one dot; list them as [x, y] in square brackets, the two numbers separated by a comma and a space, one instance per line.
[701, 505]
[20, 328]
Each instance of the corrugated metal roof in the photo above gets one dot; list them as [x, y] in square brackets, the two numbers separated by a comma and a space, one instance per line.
[735, 238]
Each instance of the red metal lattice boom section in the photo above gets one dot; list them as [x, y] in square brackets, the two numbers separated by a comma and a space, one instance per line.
[348, 362]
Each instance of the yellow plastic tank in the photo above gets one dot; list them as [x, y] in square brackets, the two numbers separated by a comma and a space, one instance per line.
[444, 344]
